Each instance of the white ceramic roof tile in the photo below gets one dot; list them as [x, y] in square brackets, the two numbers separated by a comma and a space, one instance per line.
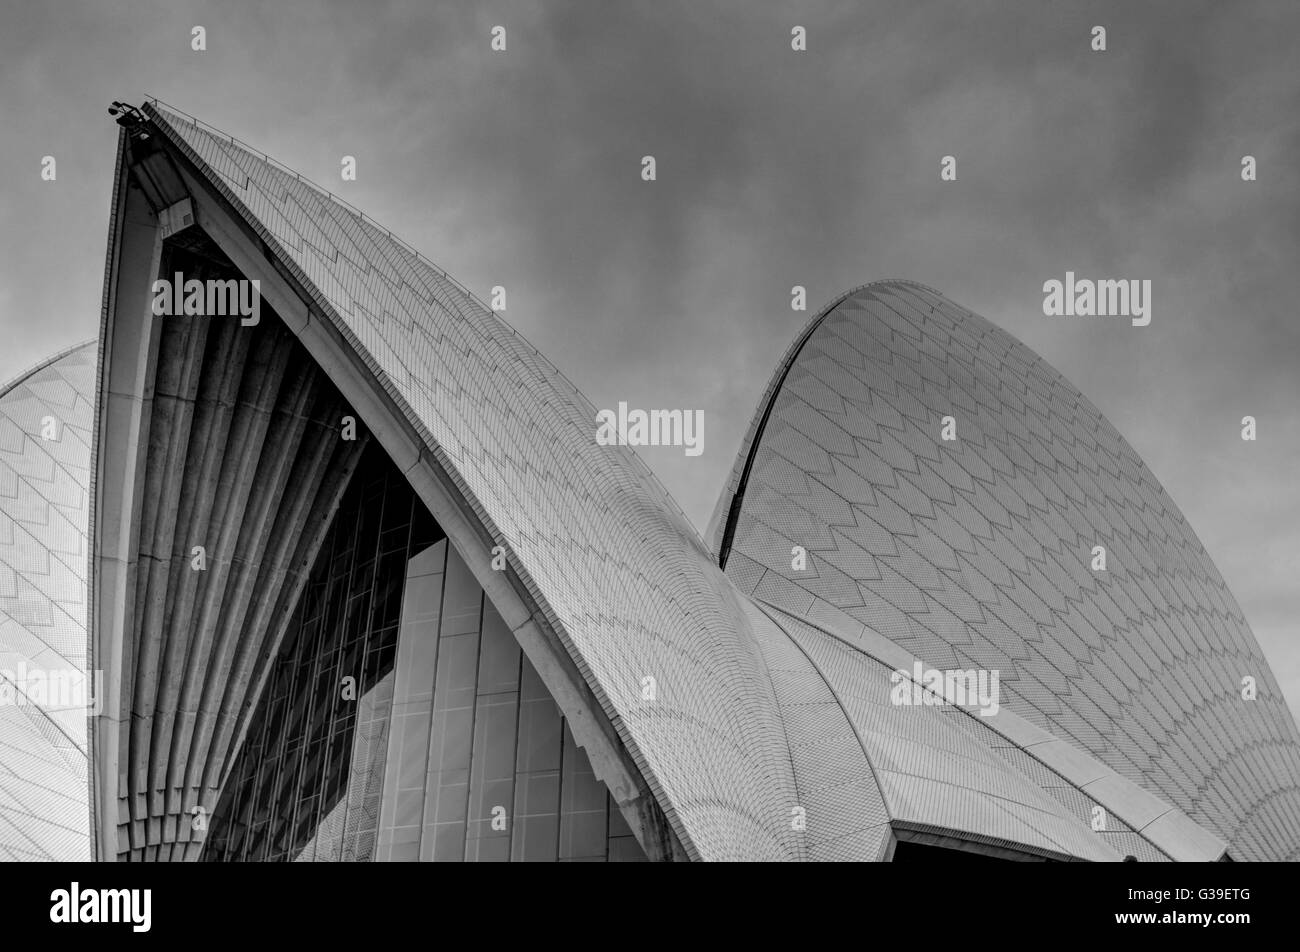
[44, 497]
[615, 568]
[1043, 478]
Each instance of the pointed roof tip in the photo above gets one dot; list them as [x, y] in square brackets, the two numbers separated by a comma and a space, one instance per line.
[130, 118]
[492, 415]
[165, 116]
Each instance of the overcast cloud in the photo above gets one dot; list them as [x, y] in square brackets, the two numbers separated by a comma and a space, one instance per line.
[774, 168]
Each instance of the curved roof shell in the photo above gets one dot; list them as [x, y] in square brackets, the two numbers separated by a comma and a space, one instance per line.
[45, 436]
[746, 710]
[977, 552]
[606, 561]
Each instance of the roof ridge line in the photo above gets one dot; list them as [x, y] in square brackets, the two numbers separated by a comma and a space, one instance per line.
[22, 377]
[153, 102]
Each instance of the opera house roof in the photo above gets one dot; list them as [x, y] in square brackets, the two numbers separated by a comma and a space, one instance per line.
[738, 695]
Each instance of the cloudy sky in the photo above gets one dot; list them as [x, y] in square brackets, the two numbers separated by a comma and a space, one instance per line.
[775, 168]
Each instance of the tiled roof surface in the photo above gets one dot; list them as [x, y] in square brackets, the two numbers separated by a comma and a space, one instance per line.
[620, 574]
[725, 743]
[976, 553]
[44, 504]
[776, 706]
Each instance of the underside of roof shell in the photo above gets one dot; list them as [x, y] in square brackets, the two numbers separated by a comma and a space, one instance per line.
[496, 442]
[766, 732]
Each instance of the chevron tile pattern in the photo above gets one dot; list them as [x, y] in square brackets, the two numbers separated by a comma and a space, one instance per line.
[619, 573]
[976, 553]
[46, 418]
[734, 719]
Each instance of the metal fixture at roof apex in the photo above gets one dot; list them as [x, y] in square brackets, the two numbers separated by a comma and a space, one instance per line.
[129, 118]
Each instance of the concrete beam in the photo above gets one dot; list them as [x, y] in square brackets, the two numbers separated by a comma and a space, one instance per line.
[129, 338]
[405, 446]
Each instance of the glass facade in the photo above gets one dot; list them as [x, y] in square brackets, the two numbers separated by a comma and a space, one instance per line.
[387, 714]
[306, 778]
[446, 746]
[482, 766]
